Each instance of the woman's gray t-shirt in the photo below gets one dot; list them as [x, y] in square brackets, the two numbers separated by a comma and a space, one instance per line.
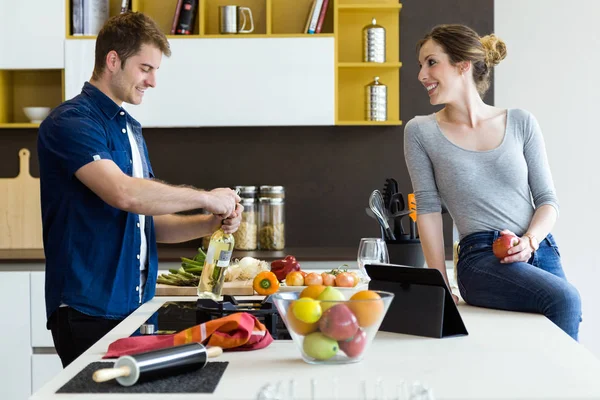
[482, 190]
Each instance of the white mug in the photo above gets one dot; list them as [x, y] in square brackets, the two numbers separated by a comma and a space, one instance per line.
[230, 17]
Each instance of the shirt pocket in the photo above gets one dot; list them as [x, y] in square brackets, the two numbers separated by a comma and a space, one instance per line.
[122, 160]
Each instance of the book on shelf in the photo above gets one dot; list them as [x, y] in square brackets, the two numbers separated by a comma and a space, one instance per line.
[316, 16]
[176, 17]
[187, 17]
[88, 16]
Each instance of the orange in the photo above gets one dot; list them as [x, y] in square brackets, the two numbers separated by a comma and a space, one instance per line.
[367, 309]
[301, 328]
[312, 291]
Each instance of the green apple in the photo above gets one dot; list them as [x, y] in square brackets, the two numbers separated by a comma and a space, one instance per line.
[332, 296]
[319, 346]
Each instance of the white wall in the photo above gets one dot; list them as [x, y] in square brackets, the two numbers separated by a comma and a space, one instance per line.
[553, 70]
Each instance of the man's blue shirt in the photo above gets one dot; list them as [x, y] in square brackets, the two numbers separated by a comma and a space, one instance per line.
[92, 249]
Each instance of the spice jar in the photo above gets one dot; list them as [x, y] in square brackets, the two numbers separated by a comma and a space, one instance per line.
[247, 192]
[272, 191]
[247, 234]
[271, 230]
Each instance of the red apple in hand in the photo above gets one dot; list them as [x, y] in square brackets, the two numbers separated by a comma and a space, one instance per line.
[503, 243]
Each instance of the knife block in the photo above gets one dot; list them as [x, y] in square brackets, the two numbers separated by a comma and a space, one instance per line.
[406, 252]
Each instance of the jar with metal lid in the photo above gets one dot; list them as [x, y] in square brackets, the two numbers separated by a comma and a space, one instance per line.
[272, 191]
[246, 237]
[374, 43]
[248, 192]
[271, 229]
[376, 101]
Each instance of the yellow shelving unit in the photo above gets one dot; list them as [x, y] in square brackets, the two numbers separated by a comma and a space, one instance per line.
[28, 88]
[353, 74]
[344, 22]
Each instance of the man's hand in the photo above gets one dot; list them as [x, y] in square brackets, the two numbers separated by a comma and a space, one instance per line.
[222, 202]
[232, 223]
[520, 252]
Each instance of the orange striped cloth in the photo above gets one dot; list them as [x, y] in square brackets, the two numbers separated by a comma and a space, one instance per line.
[235, 332]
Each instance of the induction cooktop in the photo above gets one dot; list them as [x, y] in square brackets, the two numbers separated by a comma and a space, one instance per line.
[175, 316]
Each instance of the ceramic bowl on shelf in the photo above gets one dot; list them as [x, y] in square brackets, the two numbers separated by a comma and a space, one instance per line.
[36, 114]
[338, 330]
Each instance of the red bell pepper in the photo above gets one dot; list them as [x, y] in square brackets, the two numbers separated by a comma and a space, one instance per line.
[283, 267]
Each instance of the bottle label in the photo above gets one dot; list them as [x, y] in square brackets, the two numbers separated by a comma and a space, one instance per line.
[224, 258]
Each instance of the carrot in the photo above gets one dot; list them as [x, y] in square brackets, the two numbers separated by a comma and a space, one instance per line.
[265, 283]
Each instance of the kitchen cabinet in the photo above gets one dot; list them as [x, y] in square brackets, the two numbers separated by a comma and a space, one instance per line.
[32, 34]
[275, 76]
[15, 347]
[44, 367]
[235, 82]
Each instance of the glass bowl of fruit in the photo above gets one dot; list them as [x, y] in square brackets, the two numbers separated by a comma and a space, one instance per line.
[327, 326]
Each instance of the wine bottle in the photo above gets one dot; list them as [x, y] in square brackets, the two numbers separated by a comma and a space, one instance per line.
[217, 260]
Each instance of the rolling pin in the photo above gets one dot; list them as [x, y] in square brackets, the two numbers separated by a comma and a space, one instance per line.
[157, 363]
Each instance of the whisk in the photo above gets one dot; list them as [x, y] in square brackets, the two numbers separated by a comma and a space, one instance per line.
[376, 206]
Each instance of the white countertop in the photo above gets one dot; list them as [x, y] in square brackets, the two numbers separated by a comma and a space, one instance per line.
[506, 355]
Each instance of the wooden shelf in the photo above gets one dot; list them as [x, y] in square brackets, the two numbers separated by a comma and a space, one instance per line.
[28, 88]
[19, 125]
[369, 65]
[389, 122]
[368, 7]
[263, 36]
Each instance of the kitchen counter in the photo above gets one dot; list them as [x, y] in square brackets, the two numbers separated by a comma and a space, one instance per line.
[507, 355]
[174, 254]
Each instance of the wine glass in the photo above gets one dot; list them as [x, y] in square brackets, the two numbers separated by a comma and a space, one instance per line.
[371, 251]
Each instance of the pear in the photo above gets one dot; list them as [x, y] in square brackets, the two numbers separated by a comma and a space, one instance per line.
[330, 297]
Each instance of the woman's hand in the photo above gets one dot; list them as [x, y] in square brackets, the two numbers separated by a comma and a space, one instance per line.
[520, 252]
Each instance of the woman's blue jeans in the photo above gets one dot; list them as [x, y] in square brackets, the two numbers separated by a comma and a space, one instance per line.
[538, 285]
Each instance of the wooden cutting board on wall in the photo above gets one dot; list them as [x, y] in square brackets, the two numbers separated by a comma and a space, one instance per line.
[20, 209]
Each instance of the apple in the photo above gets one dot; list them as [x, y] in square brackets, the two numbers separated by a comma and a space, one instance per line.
[338, 322]
[329, 297]
[319, 346]
[294, 278]
[354, 346]
[502, 244]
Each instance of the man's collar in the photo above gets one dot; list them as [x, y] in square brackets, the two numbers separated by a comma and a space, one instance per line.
[105, 103]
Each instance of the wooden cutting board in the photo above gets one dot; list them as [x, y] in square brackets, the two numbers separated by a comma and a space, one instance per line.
[237, 288]
[20, 209]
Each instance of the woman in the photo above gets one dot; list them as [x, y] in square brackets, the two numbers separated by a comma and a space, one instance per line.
[489, 167]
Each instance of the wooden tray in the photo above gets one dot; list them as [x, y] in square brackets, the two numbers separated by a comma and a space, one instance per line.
[237, 288]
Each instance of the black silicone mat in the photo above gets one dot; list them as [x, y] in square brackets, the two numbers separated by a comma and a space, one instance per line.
[204, 380]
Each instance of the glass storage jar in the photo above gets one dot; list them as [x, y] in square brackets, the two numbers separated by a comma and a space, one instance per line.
[247, 192]
[272, 191]
[271, 229]
[246, 237]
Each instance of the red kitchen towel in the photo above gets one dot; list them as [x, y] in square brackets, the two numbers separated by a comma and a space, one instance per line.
[235, 332]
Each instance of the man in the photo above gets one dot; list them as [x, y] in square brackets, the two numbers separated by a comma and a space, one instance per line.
[102, 210]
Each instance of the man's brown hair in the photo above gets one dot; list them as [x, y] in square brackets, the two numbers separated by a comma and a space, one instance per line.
[125, 34]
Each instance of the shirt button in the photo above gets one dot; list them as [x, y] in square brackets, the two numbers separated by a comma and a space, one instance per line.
[124, 130]
[138, 256]
[122, 113]
[138, 224]
[130, 161]
[137, 288]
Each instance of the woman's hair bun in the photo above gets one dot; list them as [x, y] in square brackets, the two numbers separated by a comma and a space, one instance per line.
[495, 49]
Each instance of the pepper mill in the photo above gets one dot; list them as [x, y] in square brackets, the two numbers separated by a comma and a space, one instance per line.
[374, 43]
